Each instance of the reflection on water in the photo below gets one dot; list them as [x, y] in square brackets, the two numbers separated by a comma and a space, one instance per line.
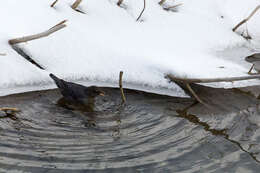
[151, 133]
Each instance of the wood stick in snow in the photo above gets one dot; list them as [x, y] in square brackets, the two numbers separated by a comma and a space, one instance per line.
[2, 54]
[161, 2]
[140, 15]
[246, 19]
[172, 7]
[52, 5]
[121, 87]
[76, 4]
[210, 80]
[194, 94]
[119, 2]
[37, 36]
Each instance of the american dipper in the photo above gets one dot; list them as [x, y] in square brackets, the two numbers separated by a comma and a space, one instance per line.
[75, 93]
[255, 60]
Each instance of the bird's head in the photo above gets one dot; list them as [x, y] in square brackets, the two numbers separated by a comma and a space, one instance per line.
[94, 91]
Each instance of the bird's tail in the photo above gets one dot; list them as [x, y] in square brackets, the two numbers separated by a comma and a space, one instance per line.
[59, 82]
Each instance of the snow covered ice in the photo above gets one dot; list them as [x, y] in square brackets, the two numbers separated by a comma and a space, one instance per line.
[195, 41]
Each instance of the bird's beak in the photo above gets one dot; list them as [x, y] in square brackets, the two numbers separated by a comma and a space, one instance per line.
[102, 93]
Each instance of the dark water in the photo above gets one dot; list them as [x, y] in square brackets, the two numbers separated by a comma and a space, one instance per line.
[151, 133]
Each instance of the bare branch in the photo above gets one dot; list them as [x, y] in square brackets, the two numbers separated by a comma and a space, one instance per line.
[37, 36]
[246, 19]
[52, 5]
[140, 15]
[121, 87]
[5, 109]
[210, 80]
[161, 2]
[119, 2]
[76, 4]
[194, 94]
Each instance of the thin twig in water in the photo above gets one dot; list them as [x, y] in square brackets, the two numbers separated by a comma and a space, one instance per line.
[246, 19]
[5, 109]
[37, 36]
[121, 87]
[52, 5]
[140, 15]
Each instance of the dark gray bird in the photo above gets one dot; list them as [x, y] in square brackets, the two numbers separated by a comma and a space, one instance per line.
[255, 60]
[75, 93]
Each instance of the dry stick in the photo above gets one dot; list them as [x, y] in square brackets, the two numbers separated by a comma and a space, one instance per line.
[2, 54]
[194, 94]
[171, 7]
[140, 15]
[161, 2]
[119, 2]
[121, 87]
[37, 36]
[210, 80]
[62, 22]
[76, 4]
[246, 19]
[5, 109]
[52, 5]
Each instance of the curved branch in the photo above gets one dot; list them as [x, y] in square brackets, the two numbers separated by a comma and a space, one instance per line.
[140, 15]
[246, 19]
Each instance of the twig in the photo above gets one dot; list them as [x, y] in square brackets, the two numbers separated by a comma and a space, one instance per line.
[119, 2]
[5, 109]
[246, 19]
[37, 36]
[52, 5]
[161, 2]
[2, 54]
[61, 23]
[121, 87]
[140, 15]
[172, 7]
[76, 4]
[194, 94]
[210, 80]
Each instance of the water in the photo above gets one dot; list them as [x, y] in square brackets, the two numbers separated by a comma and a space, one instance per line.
[151, 133]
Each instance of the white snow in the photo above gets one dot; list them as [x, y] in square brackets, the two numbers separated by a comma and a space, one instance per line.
[196, 41]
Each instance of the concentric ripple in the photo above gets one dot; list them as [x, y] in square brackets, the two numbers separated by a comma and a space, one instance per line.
[150, 133]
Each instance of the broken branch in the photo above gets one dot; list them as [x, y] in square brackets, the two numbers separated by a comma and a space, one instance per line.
[246, 19]
[210, 80]
[76, 4]
[121, 87]
[52, 5]
[172, 7]
[140, 15]
[37, 36]
[194, 94]
[5, 109]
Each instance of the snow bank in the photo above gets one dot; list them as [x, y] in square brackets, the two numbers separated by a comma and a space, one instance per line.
[193, 42]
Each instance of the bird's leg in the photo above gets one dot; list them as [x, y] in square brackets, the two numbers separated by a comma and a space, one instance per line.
[249, 72]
